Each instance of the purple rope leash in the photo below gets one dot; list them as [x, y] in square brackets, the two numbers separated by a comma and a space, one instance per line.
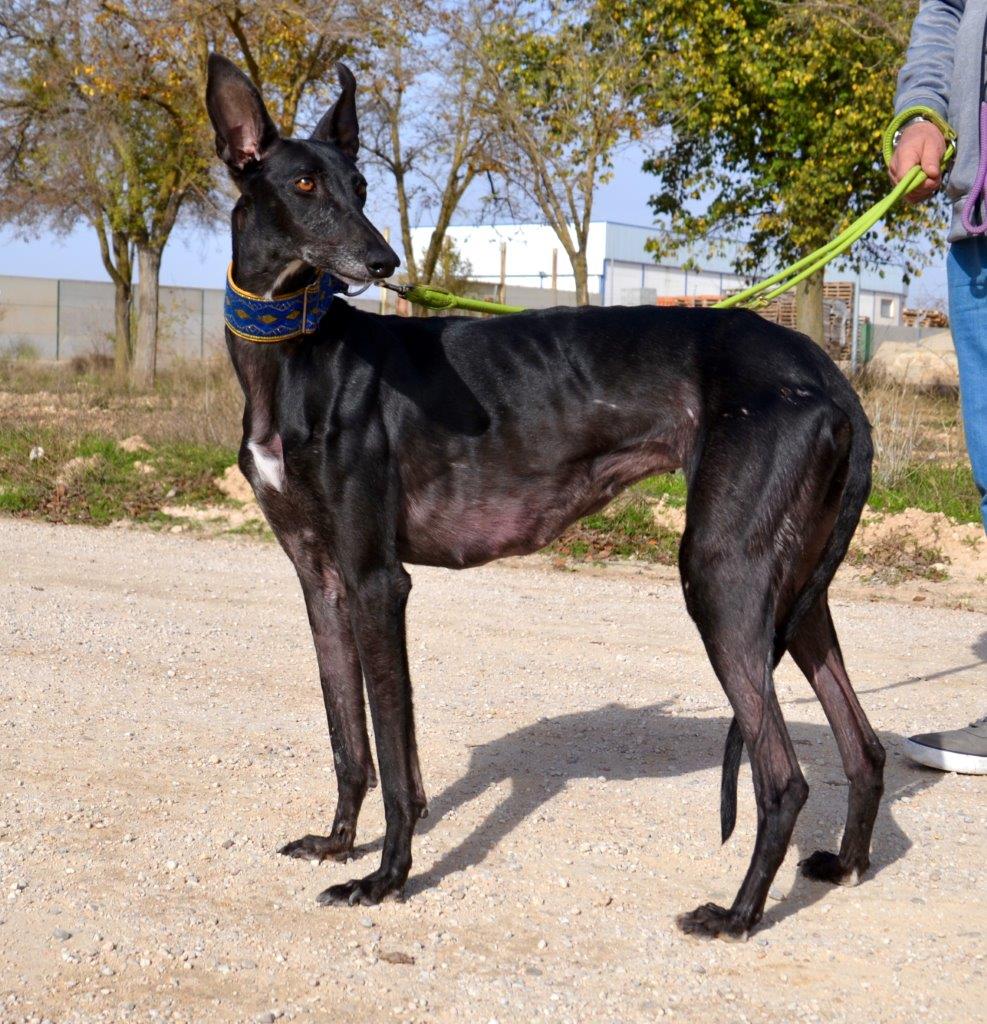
[976, 195]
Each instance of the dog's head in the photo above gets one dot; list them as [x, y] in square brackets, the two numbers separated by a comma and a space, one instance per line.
[305, 195]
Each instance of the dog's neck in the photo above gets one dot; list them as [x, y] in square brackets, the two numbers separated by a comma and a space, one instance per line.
[256, 269]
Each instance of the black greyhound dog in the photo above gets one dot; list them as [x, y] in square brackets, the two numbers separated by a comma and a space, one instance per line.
[372, 441]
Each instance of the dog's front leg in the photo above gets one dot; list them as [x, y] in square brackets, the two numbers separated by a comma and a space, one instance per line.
[378, 600]
[342, 690]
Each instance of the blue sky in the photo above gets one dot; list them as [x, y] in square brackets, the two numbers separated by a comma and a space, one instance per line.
[197, 257]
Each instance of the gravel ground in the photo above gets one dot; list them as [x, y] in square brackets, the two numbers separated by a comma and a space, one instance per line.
[161, 734]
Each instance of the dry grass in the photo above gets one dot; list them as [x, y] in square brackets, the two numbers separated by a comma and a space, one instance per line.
[920, 457]
[910, 426]
[194, 402]
[899, 557]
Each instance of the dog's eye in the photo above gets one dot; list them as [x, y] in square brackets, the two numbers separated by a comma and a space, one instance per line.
[305, 184]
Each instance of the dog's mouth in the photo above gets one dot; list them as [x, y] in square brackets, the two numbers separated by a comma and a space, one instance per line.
[355, 282]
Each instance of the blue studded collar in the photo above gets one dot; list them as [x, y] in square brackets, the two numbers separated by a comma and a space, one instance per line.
[281, 317]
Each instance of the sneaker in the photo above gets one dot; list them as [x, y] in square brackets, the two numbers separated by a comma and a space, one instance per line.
[961, 750]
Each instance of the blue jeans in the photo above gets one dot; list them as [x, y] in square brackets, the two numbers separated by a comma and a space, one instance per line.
[966, 272]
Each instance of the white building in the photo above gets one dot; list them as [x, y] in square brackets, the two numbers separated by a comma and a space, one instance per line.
[622, 271]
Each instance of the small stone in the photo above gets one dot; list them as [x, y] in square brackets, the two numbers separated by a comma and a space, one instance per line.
[542, 944]
[366, 922]
[226, 843]
[170, 865]
[775, 893]
[396, 957]
[62, 935]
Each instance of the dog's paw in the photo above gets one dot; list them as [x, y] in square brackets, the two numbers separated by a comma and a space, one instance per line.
[319, 848]
[823, 866]
[712, 922]
[361, 891]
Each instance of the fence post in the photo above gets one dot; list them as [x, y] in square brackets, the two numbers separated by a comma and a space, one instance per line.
[555, 277]
[502, 291]
[58, 318]
[382, 289]
[202, 323]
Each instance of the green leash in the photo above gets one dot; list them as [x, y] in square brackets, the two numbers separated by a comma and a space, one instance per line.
[766, 291]
[436, 298]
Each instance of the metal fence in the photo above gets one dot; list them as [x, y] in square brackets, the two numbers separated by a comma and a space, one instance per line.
[55, 319]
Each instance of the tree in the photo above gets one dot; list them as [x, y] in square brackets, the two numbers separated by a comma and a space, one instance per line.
[57, 163]
[775, 112]
[561, 97]
[452, 271]
[102, 119]
[422, 124]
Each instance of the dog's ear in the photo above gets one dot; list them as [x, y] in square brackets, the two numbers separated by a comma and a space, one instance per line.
[244, 129]
[339, 125]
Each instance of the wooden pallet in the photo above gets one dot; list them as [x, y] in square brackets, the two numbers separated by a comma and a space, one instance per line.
[782, 311]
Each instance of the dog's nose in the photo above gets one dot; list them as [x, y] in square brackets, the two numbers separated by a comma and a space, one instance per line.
[382, 264]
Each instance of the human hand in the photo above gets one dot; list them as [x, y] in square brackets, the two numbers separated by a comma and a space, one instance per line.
[921, 144]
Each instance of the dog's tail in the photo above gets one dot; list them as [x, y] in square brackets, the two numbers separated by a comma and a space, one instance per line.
[728, 784]
[855, 491]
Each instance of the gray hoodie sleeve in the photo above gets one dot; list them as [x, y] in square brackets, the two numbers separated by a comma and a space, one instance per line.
[925, 79]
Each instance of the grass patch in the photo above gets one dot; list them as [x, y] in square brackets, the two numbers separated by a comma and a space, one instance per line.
[91, 479]
[931, 487]
[625, 529]
[252, 528]
[670, 486]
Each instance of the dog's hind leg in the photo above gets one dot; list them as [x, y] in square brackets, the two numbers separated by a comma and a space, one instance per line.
[758, 497]
[816, 651]
[736, 628]
[342, 689]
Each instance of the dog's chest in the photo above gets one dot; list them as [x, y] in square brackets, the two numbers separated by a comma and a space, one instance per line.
[268, 463]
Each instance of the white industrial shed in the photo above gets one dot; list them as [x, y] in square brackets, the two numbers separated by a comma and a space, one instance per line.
[622, 271]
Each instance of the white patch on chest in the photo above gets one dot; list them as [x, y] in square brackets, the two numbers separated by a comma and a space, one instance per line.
[270, 468]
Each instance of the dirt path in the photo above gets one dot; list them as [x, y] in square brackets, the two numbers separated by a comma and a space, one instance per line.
[161, 733]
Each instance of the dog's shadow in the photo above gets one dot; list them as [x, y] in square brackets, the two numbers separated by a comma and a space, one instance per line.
[623, 743]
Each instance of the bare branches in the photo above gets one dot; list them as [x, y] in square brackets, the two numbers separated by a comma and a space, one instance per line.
[425, 129]
[559, 99]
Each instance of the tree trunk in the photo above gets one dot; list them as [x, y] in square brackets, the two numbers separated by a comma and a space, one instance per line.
[581, 275]
[121, 340]
[809, 308]
[146, 350]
